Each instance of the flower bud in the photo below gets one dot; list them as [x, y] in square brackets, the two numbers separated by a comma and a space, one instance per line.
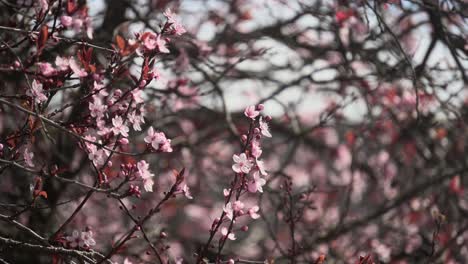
[245, 228]
[123, 141]
[244, 138]
[260, 107]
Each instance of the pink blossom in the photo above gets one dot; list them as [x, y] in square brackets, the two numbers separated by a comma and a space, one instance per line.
[62, 63]
[87, 238]
[77, 69]
[102, 129]
[261, 167]
[256, 149]
[28, 157]
[83, 240]
[238, 206]
[78, 24]
[228, 210]
[89, 28]
[74, 240]
[186, 191]
[264, 129]
[136, 120]
[161, 45]
[66, 21]
[144, 173]
[119, 127]
[46, 69]
[152, 41]
[97, 156]
[242, 163]
[224, 232]
[256, 184]
[158, 140]
[178, 28]
[137, 96]
[36, 92]
[97, 109]
[253, 212]
[251, 112]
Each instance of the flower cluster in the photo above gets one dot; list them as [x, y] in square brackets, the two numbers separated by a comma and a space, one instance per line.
[82, 240]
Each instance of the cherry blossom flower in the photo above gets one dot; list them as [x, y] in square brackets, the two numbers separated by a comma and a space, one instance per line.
[66, 21]
[62, 63]
[161, 44]
[177, 27]
[87, 238]
[228, 210]
[97, 156]
[242, 163]
[83, 240]
[137, 96]
[97, 109]
[230, 236]
[186, 191]
[251, 112]
[77, 69]
[256, 184]
[74, 240]
[100, 87]
[144, 173]
[119, 127]
[28, 157]
[46, 69]
[253, 212]
[102, 129]
[153, 41]
[238, 206]
[264, 129]
[158, 140]
[261, 167]
[136, 120]
[256, 149]
[37, 92]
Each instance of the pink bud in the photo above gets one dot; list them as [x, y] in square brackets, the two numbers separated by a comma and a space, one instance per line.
[163, 235]
[256, 130]
[66, 21]
[142, 84]
[231, 261]
[244, 138]
[268, 118]
[17, 64]
[260, 107]
[245, 228]
[1, 147]
[123, 141]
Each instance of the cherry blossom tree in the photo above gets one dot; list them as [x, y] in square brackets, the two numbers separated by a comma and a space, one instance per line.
[243, 131]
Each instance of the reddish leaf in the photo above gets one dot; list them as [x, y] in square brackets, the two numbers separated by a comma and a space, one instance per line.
[71, 7]
[42, 39]
[120, 42]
